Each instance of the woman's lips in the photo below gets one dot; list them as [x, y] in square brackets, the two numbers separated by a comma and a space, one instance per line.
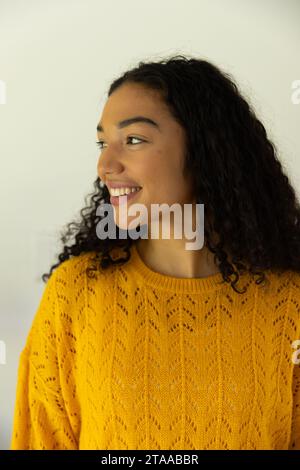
[119, 200]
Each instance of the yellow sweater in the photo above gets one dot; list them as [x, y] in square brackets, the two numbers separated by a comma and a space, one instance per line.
[134, 359]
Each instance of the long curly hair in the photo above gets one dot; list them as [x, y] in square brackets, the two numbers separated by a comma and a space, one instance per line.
[248, 199]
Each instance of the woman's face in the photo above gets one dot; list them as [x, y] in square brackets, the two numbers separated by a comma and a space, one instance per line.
[155, 163]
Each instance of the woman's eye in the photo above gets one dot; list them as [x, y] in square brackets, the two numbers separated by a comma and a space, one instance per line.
[101, 142]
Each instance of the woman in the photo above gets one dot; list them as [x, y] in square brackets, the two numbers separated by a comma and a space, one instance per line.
[141, 343]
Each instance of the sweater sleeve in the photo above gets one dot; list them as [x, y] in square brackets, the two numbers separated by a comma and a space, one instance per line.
[295, 432]
[43, 417]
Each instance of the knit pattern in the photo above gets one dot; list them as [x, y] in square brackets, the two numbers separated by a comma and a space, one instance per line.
[134, 359]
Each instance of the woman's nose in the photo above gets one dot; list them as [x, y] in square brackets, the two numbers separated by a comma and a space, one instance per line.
[109, 163]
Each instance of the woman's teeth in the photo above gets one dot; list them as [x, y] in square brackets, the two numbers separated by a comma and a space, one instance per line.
[122, 191]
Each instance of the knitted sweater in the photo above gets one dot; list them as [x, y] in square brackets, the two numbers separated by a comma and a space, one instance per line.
[134, 359]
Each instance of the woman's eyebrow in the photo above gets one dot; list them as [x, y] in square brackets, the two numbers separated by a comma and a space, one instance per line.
[127, 122]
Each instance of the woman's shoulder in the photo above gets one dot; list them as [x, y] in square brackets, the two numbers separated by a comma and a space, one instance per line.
[83, 272]
[76, 268]
[285, 290]
[284, 278]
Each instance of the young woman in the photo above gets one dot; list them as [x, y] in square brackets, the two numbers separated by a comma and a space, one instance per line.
[141, 343]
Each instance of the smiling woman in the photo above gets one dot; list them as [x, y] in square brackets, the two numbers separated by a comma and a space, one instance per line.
[143, 344]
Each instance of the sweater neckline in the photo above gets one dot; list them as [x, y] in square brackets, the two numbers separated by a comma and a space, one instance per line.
[176, 284]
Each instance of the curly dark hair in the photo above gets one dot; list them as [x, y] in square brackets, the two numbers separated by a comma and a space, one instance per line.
[248, 199]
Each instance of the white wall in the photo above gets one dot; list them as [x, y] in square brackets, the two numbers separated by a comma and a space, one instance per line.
[57, 59]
